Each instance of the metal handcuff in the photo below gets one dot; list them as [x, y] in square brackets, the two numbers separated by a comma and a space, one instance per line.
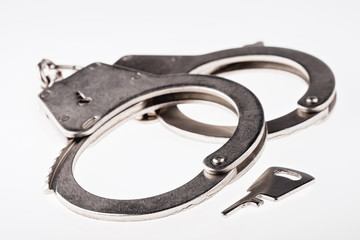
[316, 104]
[98, 97]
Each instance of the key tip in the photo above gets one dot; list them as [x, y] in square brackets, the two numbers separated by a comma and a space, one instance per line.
[256, 202]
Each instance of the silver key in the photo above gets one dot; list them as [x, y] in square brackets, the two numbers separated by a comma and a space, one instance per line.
[274, 184]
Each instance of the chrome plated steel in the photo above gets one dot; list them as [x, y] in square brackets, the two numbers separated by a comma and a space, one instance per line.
[274, 184]
[95, 99]
[315, 105]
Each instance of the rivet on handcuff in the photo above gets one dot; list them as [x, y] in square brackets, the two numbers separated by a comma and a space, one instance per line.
[96, 98]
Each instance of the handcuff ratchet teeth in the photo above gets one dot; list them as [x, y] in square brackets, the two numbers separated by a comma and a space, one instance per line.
[313, 106]
[90, 102]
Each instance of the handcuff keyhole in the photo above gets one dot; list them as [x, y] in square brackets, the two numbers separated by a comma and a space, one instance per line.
[83, 99]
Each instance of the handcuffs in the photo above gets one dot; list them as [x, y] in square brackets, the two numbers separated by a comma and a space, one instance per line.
[90, 102]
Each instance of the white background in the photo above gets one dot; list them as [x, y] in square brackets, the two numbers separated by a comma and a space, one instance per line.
[140, 160]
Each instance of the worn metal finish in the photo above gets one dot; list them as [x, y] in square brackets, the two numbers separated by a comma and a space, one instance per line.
[95, 99]
[114, 89]
[274, 184]
[199, 189]
[315, 105]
